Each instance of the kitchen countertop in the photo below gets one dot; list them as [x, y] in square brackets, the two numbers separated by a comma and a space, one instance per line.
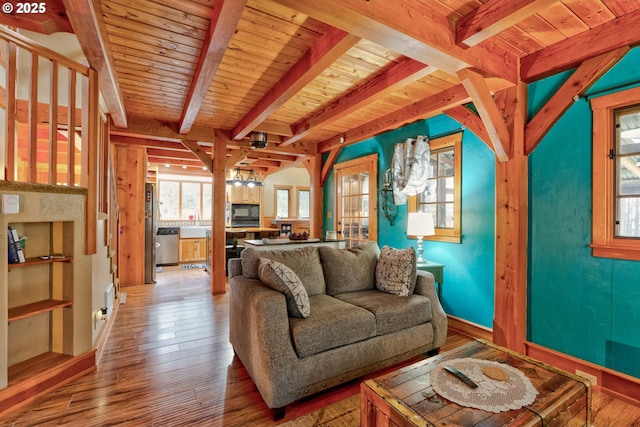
[279, 242]
[200, 231]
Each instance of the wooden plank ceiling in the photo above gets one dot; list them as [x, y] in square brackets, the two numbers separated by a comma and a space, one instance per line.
[318, 75]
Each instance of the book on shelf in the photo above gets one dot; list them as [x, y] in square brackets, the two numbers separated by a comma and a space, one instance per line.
[16, 254]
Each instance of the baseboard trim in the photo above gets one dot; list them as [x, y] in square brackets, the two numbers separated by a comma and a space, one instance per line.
[25, 391]
[613, 383]
[470, 329]
[104, 333]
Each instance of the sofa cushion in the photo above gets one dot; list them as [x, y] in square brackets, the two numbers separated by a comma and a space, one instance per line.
[392, 313]
[332, 323]
[349, 270]
[281, 278]
[396, 271]
[305, 262]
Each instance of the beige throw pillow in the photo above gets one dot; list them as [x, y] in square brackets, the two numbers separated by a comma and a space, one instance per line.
[281, 278]
[396, 271]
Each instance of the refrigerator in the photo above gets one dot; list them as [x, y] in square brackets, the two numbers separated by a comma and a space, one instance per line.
[150, 229]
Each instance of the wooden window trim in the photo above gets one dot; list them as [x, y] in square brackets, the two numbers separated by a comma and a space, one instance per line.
[448, 235]
[299, 189]
[289, 188]
[604, 243]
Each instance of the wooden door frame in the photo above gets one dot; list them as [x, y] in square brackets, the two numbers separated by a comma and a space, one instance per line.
[371, 162]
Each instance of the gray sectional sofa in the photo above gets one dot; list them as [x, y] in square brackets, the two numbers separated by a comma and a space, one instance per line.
[352, 327]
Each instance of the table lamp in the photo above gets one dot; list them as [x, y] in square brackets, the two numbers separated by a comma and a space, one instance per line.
[420, 224]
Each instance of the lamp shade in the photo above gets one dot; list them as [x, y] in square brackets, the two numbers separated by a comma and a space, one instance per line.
[420, 224]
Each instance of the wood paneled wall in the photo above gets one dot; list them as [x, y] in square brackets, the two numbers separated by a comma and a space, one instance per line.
[130, 165]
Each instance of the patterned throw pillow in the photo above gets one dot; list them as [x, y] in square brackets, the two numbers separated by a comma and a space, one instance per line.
[396, 271]
[281, 278]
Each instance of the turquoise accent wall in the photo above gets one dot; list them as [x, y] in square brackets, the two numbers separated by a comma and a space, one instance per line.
[469, 266]
[580, 305]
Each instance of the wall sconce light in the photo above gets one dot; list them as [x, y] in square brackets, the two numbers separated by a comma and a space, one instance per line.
[387, 203]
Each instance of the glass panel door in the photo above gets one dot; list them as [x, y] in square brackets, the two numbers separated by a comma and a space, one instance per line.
[356, 219]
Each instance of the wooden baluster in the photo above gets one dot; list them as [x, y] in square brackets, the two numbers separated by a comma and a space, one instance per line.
[32, 142]
[53, 125]
[10, 160]
[71, 123]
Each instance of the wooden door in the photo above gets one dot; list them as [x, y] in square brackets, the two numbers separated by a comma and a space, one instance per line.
[356, 201]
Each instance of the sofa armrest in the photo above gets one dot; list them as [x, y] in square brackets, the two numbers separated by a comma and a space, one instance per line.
[234, 267]
[259, 334]
[425, 285]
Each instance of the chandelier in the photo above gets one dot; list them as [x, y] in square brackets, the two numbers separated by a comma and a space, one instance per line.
[248, 178]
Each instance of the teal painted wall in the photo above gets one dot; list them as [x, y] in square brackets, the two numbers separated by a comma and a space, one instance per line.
[580, 305]
[469, 266]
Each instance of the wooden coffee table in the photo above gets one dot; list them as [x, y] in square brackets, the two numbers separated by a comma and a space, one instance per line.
[397, 398]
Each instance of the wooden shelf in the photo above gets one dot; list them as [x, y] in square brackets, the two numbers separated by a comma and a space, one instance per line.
[32, 309]
[35, 365]
[38, 260]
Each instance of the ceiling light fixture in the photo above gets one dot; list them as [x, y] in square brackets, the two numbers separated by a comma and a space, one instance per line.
[252, 179]
[258, 140]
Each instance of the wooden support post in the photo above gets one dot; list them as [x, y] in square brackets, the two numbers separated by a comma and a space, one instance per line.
[218, 256]
[510, 299]
[90, 168]
[314, 166]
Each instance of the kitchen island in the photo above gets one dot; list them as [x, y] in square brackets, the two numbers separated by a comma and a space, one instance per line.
[268, 244]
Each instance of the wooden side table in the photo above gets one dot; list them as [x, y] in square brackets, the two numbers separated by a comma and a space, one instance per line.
[438, 273]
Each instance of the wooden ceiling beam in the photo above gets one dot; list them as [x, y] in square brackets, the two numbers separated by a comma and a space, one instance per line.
[493, 17]
[325, 51]
[471, 121]
[412, 28]
[146, 142]
[582, 79]
[87, 20]
[571, 52]
[163, 131]
[171, 154]
[427, 107]
[237, 157]
[488, 111]
[267, 163]
[176, 162]
[402, 73]
[224, 21]
[260, 154]
[281, 129]
[328, 164]
[299, 148]
[200, 153]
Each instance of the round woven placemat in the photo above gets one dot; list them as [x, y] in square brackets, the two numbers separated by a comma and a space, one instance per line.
[493, 395]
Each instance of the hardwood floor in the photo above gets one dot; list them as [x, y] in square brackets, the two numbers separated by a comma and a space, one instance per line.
[168, 362]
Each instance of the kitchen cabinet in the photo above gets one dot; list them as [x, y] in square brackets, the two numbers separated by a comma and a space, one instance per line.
[244, 194]
[192, 250]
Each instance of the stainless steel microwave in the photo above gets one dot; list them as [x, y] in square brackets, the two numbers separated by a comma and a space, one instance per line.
[245, 215]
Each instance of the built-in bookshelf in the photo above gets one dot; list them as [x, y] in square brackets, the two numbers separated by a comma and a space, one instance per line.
[46, 309]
